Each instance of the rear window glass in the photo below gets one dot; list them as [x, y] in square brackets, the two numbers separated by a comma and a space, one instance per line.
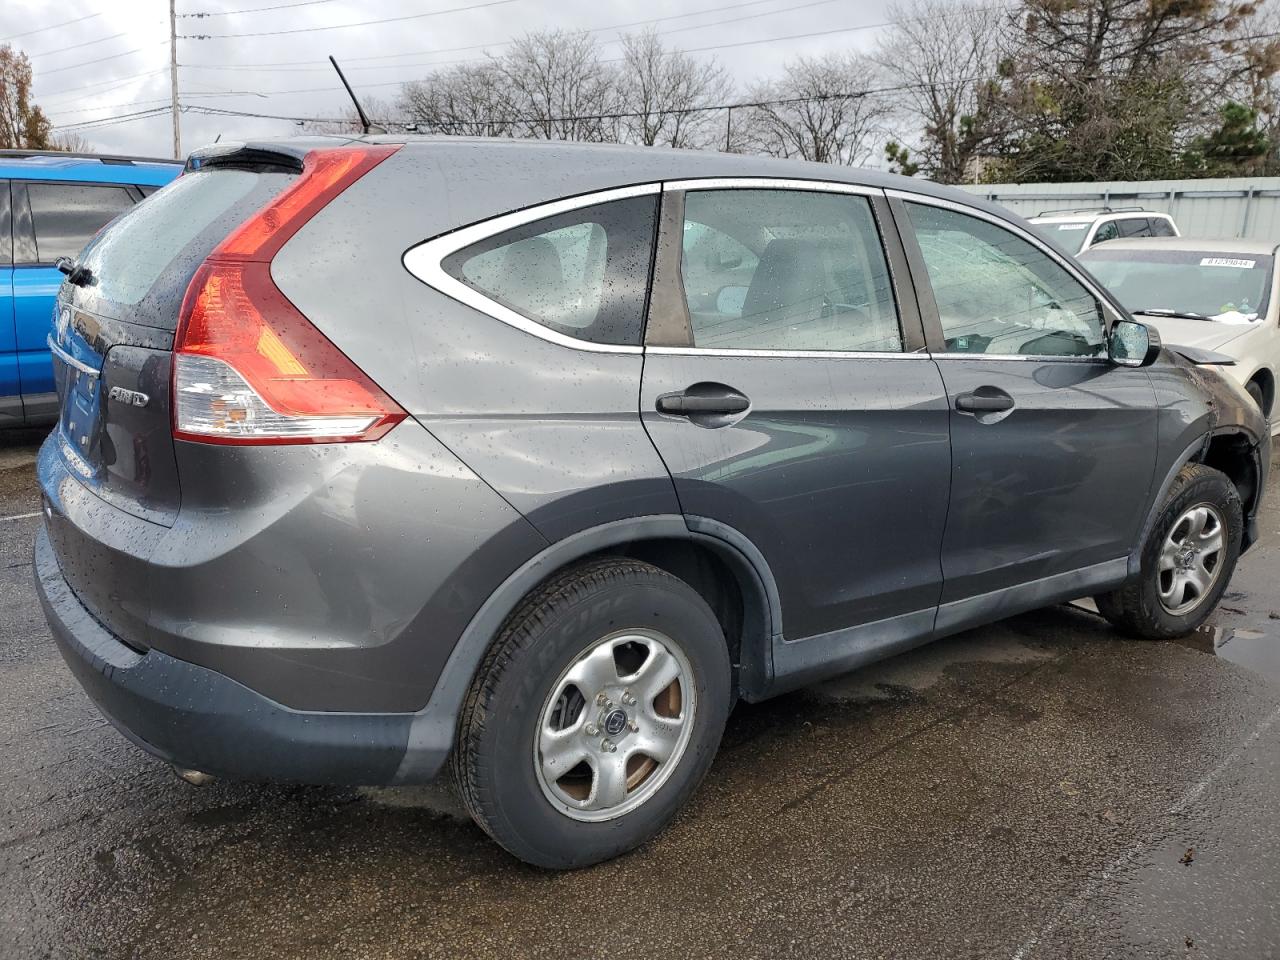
[67, 215]
[583, 273]
[128, 259]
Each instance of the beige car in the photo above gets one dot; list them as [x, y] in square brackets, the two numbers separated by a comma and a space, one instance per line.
[1216, 295]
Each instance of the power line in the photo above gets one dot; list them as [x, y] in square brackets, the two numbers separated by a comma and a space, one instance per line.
[86, 63]
[108, 121]
[277, 6]
[477, 46]
[345, 26]
[52, 26]
[113, 84]
[616, 115]
[75, 46]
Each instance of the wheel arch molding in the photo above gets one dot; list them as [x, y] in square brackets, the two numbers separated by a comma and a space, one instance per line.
[433, 728]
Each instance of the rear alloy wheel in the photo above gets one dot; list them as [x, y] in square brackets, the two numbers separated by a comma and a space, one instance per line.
[595, 714]
[1187, 559]
[615, 725]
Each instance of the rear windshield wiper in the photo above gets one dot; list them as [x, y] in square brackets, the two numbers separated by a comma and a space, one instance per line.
[76, 274]
[1178, 314]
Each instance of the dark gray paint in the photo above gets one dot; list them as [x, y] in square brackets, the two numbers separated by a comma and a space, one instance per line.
[1058, 484]
[838, 474]
[361, 578]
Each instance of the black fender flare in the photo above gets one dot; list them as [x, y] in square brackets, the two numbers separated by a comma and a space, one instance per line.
[431, 732]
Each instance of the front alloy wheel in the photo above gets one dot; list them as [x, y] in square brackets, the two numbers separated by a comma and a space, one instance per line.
[1190, 559]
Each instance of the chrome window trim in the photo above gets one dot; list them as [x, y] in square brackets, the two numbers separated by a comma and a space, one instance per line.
[770, 183]
[799, 354]
[1032, 357]
[424, 262]
[1104, 305]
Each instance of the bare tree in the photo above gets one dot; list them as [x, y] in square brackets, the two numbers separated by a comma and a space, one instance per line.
[1118, 89]
[944, 56]
[71, 142]
[558, 88]
[824, 109]
[465, 100]
[665, 90]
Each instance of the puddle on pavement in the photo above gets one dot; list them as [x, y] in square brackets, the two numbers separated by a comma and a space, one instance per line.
[1257, 649]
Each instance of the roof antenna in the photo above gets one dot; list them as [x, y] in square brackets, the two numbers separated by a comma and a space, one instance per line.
[364, 119]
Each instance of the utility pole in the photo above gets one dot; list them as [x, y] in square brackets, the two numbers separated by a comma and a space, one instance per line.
[173, 78]
[728, 130]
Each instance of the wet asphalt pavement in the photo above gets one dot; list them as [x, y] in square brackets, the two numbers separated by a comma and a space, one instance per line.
[1037, 789]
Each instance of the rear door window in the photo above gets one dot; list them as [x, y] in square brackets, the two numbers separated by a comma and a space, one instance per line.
[65, 216]
[786, 270]
[583, 273]
[1135, 227]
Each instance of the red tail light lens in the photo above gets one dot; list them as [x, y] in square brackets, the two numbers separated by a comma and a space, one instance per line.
[249, 368]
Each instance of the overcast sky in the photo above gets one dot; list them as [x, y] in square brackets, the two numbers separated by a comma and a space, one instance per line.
[287, 73]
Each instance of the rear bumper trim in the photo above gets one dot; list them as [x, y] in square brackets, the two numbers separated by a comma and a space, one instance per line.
[196, 718]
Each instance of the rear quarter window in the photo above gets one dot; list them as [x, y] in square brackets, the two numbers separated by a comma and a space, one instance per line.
[583, 273]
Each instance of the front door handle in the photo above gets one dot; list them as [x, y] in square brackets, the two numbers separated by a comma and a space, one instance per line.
[984, 400]
[704, 399]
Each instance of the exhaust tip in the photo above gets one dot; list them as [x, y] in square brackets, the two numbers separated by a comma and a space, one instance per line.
[194, 777]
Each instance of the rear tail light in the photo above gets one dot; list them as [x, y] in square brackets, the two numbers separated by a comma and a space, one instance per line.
[248, 367]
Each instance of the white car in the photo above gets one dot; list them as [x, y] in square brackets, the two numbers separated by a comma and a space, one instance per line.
[1217, 295]
[1075, 231]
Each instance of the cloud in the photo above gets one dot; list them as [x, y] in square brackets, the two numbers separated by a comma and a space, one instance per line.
[286, 72]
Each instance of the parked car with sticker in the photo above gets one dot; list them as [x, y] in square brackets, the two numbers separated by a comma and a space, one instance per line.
[1218, 295]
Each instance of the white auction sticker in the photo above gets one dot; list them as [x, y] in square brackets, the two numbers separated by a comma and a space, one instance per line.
[1228, 262]
[1072, 226]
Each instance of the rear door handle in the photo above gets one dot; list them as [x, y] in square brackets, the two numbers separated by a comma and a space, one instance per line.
[991, 401]
[703, 399]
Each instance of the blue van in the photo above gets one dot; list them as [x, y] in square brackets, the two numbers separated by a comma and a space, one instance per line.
[51, 205]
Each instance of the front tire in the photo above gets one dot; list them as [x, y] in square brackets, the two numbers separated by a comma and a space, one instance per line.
[594, 716]
[1187, 559]
[1254, 389]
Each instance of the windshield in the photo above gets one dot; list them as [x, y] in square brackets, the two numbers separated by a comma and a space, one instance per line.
[1222, 286]
[1067, 234]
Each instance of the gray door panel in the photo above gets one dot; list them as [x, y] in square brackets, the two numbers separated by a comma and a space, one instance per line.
[1057, 482]
[838, 473]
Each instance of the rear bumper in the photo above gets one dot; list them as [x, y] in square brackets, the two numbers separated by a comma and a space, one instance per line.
[199, 719]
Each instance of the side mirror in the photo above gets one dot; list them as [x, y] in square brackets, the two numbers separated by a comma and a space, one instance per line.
[1133, 344]
[730, 301]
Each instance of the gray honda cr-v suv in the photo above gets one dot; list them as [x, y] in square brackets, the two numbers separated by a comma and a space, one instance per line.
[534, 458]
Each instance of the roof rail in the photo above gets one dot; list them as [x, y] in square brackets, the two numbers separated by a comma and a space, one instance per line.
[1047, 213]
[104, 157]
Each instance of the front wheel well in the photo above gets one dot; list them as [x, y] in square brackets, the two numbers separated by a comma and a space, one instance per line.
[1233, 454]
[1267, 382]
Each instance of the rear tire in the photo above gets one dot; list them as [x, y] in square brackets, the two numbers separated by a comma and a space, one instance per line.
[596, 675]
[1187, 559]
